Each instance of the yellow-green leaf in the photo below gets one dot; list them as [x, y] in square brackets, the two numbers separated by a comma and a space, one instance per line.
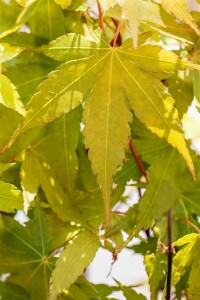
[179, 8]
[63, 3]
[11, 198]
[118, 80]
[9, 96]
[106, 134]
[73, 260]
[7, 52]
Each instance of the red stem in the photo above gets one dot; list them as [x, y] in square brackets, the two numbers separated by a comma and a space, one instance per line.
[137, 159]
[101, 25]
[170, 254]
[116, 35]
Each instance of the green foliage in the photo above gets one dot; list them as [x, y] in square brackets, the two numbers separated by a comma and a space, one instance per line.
[91, 108]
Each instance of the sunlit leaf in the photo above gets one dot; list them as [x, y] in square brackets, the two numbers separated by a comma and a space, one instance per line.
[75, 257]
[9, 96]
[25, 256]
[179, 8]
[63, 3]
[156, 270]
[102, 66]
[10, 197]
[185, 255]
[130, 293]
[7, 52]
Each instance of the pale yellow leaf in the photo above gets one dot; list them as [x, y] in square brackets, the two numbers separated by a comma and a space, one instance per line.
[179, 8]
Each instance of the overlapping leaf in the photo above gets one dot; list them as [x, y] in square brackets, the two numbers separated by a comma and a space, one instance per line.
[50, 13]
[56, 177]
[11, 198]
[116, 82]
[75, 257]
[161, 188]
[179, 8]
[24, 254]
[9, 96]
[156, 270]
[7, 52]
[130, 293]
[63, 3]
[185, 256]
[10, 291]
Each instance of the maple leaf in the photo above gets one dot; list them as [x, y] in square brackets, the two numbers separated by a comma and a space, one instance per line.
[24, 253]
[116, 83]
[179, 8]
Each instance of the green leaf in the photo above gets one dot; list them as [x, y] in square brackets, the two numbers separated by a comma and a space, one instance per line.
[130, 293]
[161, 119]
[154, 59]
[27, 72]
[179, 8]
[29, 182]
[41, 230]
[65, 134]
[10, 291]
[7, 52]
[74, 46]
[194, 288]
[25, 256]
[185, 255]
[21, 19]
[5, 167]
[75, 257]
[10, 197]
[47, 178]
[181, 90]
[106, 150]
[64, 3]
[24, 2]
[102, 69]
[162, 188]
[156, 269]
[9, 96]
[62, 232]
[52, 15]
[8, 14]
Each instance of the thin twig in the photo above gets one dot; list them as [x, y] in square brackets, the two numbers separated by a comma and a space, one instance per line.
[101, 24]
[116, 35]
[170, 254]
[137, 159]
[191, 224]
[117, 212]
[59, 247]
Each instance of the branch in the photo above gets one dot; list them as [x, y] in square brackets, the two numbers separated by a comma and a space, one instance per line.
[116, 34]
[137, 159]
[101, 25]
[191, 224]
[170, 254]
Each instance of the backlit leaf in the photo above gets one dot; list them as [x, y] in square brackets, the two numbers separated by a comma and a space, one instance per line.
[194, 288]
[156, 269]
[63, 3]
[10, 291]
[160, 185]
[73, 260]
[10, 197]
[9, 96]
[130, 293]
[102, 67]
[179, 8]
[185, 256]
[7, 52]
[25, 257]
